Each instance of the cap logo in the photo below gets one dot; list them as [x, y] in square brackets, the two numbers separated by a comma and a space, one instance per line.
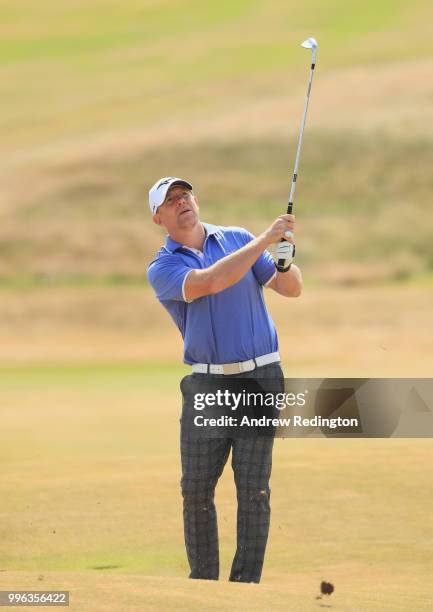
[164, 183]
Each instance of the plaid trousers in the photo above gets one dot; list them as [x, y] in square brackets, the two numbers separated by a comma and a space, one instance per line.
[203, 461]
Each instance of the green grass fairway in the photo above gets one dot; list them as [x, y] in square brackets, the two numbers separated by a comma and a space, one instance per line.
[91, 503]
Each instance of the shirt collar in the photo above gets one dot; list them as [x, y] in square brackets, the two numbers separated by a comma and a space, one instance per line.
[172, 246]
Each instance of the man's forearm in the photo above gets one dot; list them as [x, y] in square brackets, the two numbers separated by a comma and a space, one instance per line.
[288, 283]
[230, 269]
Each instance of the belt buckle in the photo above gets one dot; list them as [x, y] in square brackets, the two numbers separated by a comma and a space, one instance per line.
[232, 368]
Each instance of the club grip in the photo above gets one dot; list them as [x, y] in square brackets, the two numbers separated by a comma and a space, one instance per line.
[280, 264]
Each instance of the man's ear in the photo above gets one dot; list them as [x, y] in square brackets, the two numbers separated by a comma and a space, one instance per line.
[157, 218]
[197, 201]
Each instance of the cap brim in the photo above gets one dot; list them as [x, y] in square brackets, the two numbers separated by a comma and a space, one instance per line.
[180, 182]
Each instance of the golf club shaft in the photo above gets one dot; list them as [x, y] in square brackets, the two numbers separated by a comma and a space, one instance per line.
[281, 262]
[298, 151]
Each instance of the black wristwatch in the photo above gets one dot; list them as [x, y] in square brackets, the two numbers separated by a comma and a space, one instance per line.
[286, 269]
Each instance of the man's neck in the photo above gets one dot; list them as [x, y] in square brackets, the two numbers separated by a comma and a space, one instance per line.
[193, 238]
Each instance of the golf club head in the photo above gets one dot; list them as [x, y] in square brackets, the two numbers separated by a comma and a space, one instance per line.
[311, 43]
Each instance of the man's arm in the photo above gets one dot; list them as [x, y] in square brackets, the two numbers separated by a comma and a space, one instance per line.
[230, 269]
[287, 283]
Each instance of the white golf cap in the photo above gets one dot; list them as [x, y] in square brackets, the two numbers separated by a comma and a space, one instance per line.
[158, 192]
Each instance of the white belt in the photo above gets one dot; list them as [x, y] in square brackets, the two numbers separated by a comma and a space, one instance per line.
[235, 368]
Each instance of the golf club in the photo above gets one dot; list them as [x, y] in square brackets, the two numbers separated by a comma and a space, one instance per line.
[310, 43]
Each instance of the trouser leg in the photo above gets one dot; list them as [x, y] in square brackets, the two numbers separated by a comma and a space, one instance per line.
[203, 461]
[252, 464]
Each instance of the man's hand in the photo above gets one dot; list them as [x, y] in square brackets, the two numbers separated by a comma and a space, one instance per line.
[283, 252]
[282, 228]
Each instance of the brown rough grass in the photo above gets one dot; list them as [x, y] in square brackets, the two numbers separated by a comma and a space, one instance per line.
[353, 331]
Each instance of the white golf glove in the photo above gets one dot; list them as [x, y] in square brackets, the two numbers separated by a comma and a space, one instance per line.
[283, 254]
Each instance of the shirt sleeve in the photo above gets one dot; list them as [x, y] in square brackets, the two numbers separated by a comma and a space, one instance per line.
[264, 268]
[167, 275]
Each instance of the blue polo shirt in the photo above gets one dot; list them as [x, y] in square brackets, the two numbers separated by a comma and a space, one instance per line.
[232, 325]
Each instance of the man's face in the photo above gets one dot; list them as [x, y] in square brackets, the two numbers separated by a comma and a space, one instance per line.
[179, 211]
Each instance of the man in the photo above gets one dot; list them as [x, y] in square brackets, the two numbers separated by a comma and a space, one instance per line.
[211, 279]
